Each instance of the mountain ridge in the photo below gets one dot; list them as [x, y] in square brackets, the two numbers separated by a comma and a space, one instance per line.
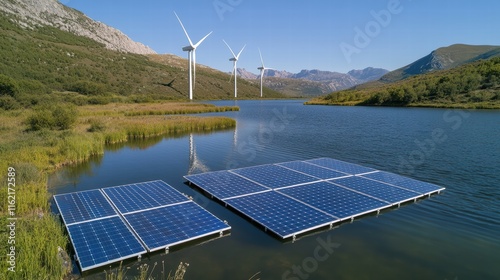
[32, 13]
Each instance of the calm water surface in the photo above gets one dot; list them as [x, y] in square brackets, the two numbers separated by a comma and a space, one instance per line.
[454, 235]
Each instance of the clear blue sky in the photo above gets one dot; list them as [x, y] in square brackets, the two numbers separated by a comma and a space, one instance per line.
[295, 35]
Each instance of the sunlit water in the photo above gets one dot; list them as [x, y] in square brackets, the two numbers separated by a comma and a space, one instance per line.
[454, 235]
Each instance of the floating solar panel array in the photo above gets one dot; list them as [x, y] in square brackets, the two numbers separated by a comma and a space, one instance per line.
[295, 197]
[116, 223]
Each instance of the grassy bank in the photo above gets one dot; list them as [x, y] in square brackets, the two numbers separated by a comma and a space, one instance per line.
[33, 154]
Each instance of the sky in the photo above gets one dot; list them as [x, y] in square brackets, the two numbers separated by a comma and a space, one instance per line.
[294, 35]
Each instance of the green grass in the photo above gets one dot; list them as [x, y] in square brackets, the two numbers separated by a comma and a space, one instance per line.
[36, 153]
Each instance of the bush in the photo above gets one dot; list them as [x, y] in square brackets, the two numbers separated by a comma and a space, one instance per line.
[8, 86]
[88, 88]
[8, 103]
[54, 117]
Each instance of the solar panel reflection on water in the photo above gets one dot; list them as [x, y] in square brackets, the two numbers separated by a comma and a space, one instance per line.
[280, 214]
[224, 184]
[161, 228]
[306, 195]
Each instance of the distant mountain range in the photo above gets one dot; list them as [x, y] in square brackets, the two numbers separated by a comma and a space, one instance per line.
[314, 82]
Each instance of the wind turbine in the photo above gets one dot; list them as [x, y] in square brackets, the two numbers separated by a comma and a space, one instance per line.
[262, 70]
[191, 49]
[234, 59]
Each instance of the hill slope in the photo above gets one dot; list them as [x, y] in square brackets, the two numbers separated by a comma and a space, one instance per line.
[442, 59]
[472, 85]
[45, 63]
[34, 13]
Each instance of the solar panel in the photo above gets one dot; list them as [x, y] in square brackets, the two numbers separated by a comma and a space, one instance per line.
[282, 215]
[161, 228]
[274, 176]
[153, 212]
[337, 201]
[376, 189]
[342, 166]
[404, 182]
[224, 184]
[141, 196]
[300, 196]
[313, 170]
[83, 206]
[103, 241]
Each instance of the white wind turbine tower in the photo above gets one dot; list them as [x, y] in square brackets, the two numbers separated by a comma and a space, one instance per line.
[234, 59]
[191, 49]
[262, 70]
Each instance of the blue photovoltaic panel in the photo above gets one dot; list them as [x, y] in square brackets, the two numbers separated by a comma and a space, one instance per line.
[306, 195]
[83, 206]
[313, 170]
[404, 182]
[160, 228]
[141, 196]
[335, 200]
[280, 214]
[224, 184]
[376, 189]
[342, 166]
[103, 241]
[274, 176]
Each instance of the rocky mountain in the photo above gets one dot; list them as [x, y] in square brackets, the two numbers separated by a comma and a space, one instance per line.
[31, 13]
[443, 59]
[314, 82]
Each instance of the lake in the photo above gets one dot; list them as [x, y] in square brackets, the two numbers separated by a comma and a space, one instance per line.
[453, 235]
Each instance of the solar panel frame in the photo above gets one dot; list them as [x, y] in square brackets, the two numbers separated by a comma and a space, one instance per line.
[263, 209]
[274, 176]
[317, 171]
[142, 196]
[334, 200]
[341, 166]
[378, 190]
[99, 230]
[157, 227]
[224, 184]
[421, 187]
[83, 206]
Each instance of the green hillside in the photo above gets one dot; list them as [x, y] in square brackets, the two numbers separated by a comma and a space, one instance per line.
[49, 64]
[474, 85]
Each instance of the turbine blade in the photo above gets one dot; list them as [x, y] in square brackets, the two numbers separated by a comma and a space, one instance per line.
[229, 48]
[185, 32]
[232, 73]
[238, 56]
[202, 39]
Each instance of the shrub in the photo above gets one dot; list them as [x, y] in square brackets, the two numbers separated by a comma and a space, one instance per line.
[8, 103]
[88, 88]
[8, 86]
[53, 117]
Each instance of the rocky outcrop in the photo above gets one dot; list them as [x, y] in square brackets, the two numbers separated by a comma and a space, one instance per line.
[32, 13]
